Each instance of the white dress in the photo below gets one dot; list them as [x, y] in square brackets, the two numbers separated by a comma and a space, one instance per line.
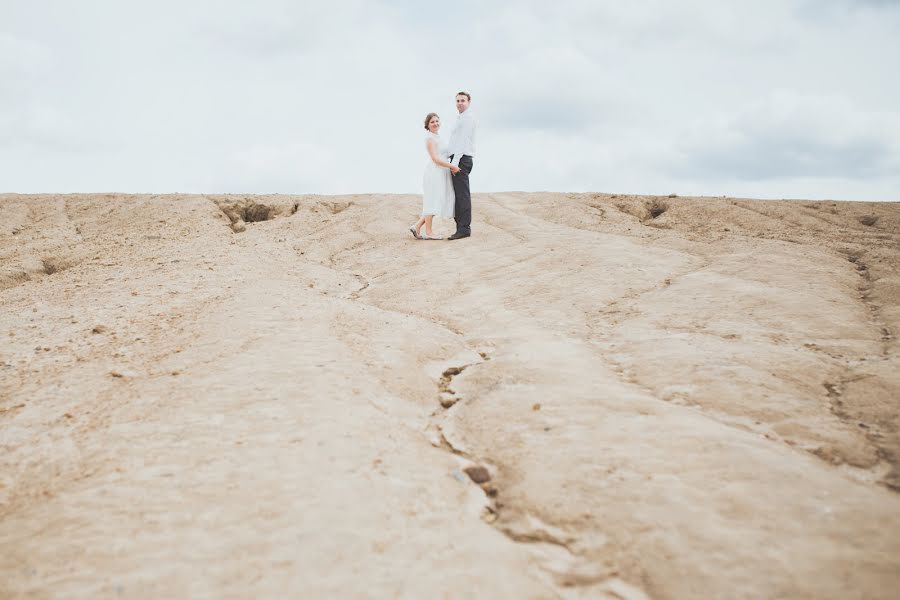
[438, 198]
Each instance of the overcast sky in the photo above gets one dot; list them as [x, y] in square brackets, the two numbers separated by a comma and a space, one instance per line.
[770, 99]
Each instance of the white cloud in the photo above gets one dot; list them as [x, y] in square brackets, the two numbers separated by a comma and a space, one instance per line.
[787, 134]
[19, 57]
[573, 95]
[270, 168]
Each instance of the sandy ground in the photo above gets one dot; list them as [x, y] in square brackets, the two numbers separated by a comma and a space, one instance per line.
[595, 396]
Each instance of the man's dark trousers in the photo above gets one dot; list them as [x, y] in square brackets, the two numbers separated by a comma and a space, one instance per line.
[463, 207]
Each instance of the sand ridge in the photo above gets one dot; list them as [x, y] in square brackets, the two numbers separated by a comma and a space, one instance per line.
[596, 395]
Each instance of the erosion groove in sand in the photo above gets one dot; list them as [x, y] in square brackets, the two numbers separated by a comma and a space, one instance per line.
[596, 395]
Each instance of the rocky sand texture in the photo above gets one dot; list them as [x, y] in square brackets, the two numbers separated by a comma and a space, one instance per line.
[595, 396]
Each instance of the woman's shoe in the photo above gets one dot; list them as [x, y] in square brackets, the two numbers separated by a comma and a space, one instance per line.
[432, 237]
[412, 230]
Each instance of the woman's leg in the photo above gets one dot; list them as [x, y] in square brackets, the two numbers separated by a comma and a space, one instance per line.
[428, 220]
[419, 224]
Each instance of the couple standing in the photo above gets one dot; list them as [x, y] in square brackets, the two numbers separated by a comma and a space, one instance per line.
[446, 181]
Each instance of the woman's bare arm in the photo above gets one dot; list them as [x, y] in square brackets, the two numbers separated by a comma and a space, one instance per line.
[432, 152]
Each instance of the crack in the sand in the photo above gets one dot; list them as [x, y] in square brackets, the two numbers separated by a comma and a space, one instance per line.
[535, 536]
[480, 476]
[445, 444]
[446, 395]
[835, 391]
[865, 290]
[477, 472]
[365, 284]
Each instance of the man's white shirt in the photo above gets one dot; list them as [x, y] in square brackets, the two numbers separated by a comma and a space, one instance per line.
[462, 138]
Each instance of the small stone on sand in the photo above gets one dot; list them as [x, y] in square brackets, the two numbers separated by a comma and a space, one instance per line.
[478, 474]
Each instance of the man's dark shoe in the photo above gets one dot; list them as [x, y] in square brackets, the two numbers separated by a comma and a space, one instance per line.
[458, 236]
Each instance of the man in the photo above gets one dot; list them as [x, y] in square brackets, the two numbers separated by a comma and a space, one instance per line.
[462, 149]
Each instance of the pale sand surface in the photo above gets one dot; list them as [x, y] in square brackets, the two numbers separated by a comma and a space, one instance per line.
[704, 404]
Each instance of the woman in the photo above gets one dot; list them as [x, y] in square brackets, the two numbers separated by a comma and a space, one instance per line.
[437, 193]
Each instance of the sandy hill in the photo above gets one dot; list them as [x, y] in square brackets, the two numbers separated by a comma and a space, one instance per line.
[595, 396]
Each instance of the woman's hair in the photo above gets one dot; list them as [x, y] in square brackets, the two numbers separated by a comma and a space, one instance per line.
[428, 119]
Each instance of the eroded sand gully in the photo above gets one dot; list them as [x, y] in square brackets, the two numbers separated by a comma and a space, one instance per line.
[595, 396]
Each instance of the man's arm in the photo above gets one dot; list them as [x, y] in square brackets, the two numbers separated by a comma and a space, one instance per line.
[453, 146]
[461, 135]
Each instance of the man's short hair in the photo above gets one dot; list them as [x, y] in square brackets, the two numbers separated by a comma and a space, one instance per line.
[466, 94]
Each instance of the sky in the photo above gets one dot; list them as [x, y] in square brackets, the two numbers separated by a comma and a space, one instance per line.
[769, 99]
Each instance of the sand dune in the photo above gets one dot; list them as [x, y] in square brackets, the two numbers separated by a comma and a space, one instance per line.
[596, 396]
